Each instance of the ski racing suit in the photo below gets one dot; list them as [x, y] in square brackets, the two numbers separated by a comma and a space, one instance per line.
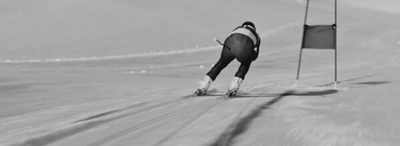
[240, 45]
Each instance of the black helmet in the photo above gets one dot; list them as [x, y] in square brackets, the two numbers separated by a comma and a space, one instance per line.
[249, 23]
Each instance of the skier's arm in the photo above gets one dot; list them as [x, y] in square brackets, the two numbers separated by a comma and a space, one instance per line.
[258, 47]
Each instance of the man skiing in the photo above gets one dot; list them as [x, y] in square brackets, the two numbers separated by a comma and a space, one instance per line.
[240, 45]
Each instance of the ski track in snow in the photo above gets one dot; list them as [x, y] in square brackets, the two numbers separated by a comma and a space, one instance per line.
[110, 57]
[157, 120]
[195, 107]
[92, 121]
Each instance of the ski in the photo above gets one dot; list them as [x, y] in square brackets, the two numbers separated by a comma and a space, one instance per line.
[203, 95]
[214, 94]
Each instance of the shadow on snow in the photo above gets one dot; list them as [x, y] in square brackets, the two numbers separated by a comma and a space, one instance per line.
[240, 126]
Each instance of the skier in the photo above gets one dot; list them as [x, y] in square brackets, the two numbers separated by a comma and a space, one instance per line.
[243, 44]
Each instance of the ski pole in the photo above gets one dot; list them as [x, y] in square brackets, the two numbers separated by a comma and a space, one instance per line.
[215, 39]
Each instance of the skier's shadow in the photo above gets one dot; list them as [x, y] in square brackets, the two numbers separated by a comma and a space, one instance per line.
[372, 83]
[289, 93]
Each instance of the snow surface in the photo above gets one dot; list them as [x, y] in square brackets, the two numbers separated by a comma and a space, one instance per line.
[90, 73]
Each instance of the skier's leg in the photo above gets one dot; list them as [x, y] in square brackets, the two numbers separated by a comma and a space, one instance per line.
[234, 87]
[243, 69]
[238, 79]
[204, 85]
[225, 59]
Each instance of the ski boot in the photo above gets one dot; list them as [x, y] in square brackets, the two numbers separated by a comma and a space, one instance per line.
[199, 92]
[234, 88]
[202, 90]
[230, 93]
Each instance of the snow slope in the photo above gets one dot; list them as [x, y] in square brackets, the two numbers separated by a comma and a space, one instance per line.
[137, 100]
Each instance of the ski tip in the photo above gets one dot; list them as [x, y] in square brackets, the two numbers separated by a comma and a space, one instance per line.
[289, 92]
